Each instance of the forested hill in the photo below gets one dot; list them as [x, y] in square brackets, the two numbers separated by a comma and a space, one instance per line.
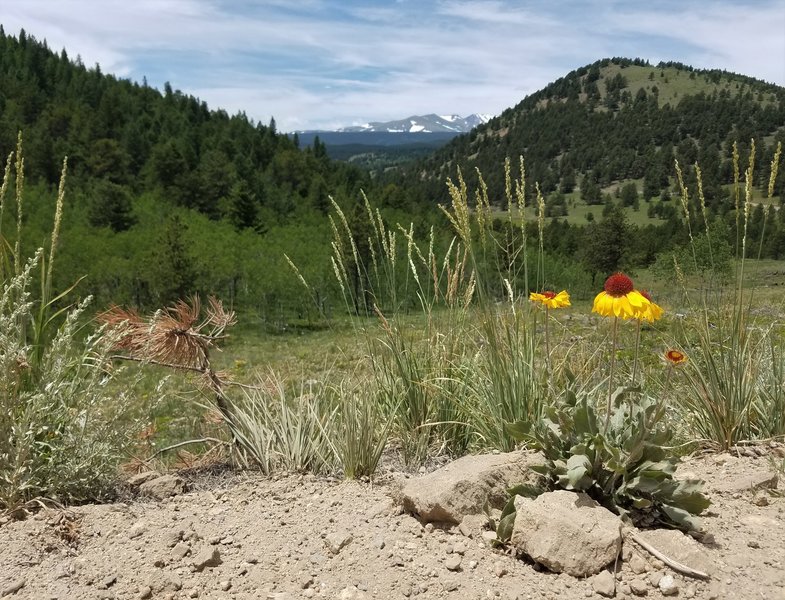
[164, 197]
[123, 139]
[617, 120]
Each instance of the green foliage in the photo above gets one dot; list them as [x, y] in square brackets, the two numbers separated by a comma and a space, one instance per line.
[110, 207]
[709, 255]
[626, 468]
[606, 244]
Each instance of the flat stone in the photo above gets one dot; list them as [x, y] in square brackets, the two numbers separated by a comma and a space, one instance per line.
[680, 547]
[180, 550]
[468, 485]
[140, 478]
[163, 487]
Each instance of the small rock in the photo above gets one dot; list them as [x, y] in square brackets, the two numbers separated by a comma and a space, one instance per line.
[488, 536]
[566, 532]
[136, 530]
[760, 499]
[639, 587]
[225, 585]
[140, 478]
[450, 585]
[473, 525]
[753, 544]
[668, 586]
[690, 591]
[352, 593]
[12, 588]
[335, 542]
[453, 562]
[173, 537]
[604, 584]
[107, 582]
[180, 550]
[638, 564]
[207, 557]
[145, 592]
[500, 569]
[193, 593]
[654, 578]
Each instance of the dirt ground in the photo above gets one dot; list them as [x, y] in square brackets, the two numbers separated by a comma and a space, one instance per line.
[244, 536]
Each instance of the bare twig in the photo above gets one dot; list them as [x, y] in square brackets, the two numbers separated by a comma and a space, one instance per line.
[186, 443]
[157, 363]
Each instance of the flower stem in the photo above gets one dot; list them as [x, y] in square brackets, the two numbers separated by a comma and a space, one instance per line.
[547, 346]
[610, 374]
[637, 347]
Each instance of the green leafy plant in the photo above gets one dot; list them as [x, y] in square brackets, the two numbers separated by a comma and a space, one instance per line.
[625, 467]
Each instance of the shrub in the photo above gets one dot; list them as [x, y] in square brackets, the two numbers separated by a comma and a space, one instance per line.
[60, 438]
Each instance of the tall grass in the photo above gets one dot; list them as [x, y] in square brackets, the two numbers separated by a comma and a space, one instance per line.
[449, 376]
[61, 429]
[733, 381]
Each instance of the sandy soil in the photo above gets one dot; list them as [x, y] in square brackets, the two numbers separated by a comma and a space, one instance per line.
[243, 536]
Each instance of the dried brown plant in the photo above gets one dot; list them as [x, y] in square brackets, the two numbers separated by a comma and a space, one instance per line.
[179, 337]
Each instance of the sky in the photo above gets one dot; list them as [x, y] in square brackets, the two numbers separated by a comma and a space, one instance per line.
[324, 64]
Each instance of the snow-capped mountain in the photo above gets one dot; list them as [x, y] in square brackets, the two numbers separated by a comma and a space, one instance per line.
[424, 124]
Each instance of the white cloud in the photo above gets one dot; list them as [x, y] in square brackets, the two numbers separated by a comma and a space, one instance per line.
[327, 63]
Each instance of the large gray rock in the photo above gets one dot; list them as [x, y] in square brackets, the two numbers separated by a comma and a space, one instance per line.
[467, 485]
[566, 532]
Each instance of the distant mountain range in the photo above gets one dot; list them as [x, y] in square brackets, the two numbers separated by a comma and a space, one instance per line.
[390, 142]
[424, 124]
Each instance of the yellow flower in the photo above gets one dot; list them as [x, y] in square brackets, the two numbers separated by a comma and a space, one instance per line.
[675, 357]
[653, 311]
[551, 299]
[620, 299]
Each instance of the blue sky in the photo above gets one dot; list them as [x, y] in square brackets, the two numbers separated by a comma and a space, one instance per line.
[330, 63]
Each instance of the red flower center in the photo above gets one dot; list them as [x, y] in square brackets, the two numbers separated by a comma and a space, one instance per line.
[675, 356]
[646, 295]
[549, 295]
[618, 285]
